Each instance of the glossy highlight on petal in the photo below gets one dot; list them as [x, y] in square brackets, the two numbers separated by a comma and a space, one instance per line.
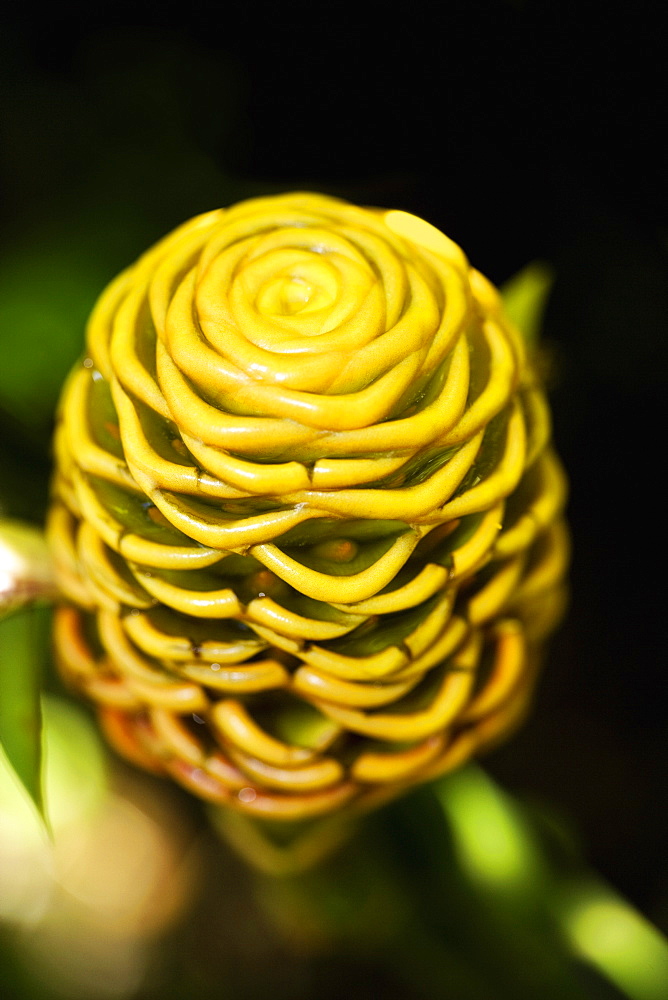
[306, 521]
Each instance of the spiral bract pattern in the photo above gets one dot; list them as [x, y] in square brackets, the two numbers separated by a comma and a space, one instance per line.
[306, 514]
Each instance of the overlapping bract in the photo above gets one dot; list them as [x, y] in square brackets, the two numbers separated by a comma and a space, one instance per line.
[305, 509]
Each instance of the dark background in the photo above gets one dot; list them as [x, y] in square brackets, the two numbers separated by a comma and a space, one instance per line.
[524, 130]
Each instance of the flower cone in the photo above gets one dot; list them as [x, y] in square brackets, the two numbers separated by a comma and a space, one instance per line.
[306, 515]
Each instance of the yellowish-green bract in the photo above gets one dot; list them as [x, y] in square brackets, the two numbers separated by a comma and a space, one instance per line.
[306, 516]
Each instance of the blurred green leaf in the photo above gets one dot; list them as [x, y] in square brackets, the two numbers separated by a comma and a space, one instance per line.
[524, 297]
[25, 579]
[46, 293]
[546, 903]
[23, 645]
[25, 469]
[606, 931]
[494, 846]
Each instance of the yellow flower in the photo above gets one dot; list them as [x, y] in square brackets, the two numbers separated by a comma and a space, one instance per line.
[305, 508]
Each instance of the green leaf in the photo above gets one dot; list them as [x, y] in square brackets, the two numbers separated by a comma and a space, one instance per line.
[495, 845]
[26, 581]
[558, 913]
[524, 297]
[611, 935]
[46, 292]
[23, 645]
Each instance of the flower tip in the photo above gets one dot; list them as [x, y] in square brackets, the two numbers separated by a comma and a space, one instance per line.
[422, 233]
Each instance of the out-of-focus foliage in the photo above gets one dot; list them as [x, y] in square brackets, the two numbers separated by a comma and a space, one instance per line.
[457, 893]
[80, 908]
[45, 295]
[525, 296]
[25, 584]
[23, 641]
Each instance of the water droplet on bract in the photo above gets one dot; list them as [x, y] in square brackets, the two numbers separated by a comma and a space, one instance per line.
[215, 666]
[246, 794]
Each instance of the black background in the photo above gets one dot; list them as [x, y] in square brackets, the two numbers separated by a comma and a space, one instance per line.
[524, 130]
